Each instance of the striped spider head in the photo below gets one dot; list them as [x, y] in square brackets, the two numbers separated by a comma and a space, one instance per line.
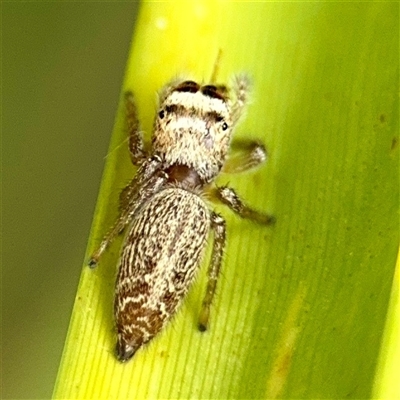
[194, 126]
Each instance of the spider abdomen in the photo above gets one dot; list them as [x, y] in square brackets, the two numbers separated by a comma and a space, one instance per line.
[161, 254]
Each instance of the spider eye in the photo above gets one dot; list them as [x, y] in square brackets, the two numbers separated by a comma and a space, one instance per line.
[161, 114]
[224, 126]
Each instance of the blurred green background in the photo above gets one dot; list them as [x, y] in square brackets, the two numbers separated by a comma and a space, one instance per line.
[63, 65]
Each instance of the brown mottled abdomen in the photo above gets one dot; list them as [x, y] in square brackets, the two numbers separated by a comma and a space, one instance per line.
[162, 252]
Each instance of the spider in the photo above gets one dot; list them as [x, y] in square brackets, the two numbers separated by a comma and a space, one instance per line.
[166, 205]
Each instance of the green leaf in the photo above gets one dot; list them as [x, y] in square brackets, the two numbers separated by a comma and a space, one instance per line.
[386, 377]
[301, 307]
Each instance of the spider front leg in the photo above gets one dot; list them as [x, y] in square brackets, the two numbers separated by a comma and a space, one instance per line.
[218, 226]
[251, 154]
[129, 197]
[241, 89]
[136, 146]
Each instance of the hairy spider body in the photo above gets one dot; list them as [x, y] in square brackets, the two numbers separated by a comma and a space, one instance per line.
[164, 206]
[149, 290]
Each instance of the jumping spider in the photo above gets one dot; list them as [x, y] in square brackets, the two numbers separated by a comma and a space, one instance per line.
[169, 220]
